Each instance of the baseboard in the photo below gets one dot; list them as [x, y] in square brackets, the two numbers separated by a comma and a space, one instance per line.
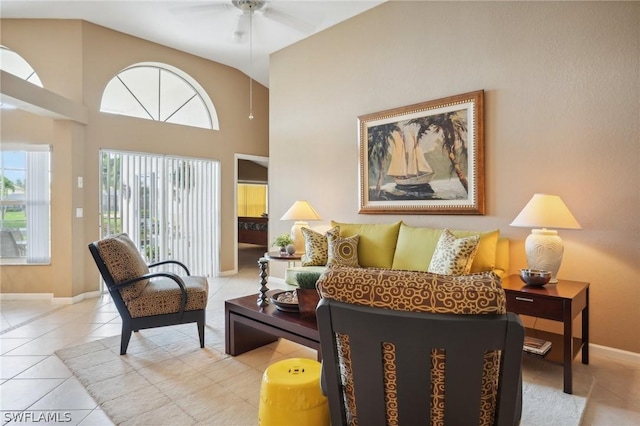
[26, 296]
[75, 299]
[49, 297]
[228, 273]
[614, 354]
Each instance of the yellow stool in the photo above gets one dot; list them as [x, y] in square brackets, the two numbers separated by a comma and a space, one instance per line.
[290, 395]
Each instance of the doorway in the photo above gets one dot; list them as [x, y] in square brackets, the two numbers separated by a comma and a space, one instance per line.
[251, 173]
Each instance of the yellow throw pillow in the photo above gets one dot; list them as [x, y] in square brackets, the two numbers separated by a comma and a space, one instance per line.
[315, 246]
[343, 251]
[377, 243]
[453, 256]
[485, 259]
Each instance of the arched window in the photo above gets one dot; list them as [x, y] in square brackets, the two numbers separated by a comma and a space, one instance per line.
[159, 92]
[15, 64]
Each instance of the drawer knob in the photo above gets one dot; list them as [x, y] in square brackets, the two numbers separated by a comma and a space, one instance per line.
[524, 299]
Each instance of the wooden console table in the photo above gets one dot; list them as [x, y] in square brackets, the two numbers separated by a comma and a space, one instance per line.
[558, 302]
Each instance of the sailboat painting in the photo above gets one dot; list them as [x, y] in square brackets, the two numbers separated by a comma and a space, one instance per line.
[424, 158]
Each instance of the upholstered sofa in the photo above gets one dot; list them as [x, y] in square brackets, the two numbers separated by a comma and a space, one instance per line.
[398, 246]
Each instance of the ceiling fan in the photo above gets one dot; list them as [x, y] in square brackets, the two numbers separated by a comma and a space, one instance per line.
[264, 10]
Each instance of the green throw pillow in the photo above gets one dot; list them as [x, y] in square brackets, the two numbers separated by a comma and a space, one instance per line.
[453, 256]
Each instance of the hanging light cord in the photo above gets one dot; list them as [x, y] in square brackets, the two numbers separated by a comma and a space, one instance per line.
[250, 63]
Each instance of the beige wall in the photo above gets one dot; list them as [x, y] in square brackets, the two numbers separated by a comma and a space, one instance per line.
[562, 111]
[76, 60]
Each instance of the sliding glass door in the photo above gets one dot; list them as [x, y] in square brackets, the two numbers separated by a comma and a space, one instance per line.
[167, 205]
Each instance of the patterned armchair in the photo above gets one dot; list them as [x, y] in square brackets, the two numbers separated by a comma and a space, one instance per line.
[147, 299]
[402, 347]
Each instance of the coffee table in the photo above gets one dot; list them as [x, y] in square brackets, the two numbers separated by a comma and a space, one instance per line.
[249, 326]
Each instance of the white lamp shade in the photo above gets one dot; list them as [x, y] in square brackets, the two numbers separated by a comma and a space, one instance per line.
[300, 211]
[544, 248]
[546, 211]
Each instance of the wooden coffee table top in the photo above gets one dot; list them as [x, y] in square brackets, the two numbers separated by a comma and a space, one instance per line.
[290, 321]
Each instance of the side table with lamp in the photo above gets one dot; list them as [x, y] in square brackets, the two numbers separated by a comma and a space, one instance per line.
[559, 300]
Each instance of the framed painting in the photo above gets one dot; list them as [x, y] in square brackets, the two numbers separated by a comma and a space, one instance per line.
[426, 158]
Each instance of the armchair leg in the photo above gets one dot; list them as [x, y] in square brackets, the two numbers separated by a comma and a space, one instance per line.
[124, 340]
[201, 329]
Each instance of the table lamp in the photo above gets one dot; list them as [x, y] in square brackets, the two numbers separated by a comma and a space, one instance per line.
[544, 247]
[300, 211]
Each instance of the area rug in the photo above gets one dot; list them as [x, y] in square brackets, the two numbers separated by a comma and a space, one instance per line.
[166, 379]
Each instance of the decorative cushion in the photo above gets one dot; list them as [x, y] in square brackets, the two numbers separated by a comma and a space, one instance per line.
[316, 247]
[124, 262]
[415, 248]
[163, 296]
[453, 256]
[485, 258]
[343, 251]
[377, 242]
[416, 292]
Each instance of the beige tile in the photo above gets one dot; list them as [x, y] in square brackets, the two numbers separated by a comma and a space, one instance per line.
[8, 344]
[43, 346]
[49, 368]
[70, 395]
[21, 394]
[611, 413]
[11, 366]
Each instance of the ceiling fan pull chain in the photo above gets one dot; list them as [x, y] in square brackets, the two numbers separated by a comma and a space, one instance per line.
[250, 64]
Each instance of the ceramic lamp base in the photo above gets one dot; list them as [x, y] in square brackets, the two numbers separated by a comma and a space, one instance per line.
[297, 237]
[544, 250]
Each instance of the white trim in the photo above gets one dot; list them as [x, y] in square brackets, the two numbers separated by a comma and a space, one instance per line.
[75, 299]
[26, 296]
[614, 354]
[230, 273]
[50, 297]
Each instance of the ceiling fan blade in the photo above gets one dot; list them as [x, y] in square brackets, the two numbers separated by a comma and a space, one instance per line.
[288, 20]
[205, 7]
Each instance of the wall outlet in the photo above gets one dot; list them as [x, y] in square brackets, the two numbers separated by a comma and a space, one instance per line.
[80, 182]
[79, 212]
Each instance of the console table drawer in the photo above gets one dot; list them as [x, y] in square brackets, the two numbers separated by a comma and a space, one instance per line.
[535, 306]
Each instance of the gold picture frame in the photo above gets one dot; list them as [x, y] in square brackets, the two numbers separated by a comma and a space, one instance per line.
[426, 158]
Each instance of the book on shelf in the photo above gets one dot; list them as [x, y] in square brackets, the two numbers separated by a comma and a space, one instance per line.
[536, 346]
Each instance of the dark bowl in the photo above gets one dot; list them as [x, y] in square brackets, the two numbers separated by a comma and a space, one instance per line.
[535, 277]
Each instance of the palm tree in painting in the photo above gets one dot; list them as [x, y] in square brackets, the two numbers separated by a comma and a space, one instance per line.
[453, 128]
[378, 149]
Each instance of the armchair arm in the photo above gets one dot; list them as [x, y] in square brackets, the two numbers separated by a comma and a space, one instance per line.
[171, 275]
[182, 265]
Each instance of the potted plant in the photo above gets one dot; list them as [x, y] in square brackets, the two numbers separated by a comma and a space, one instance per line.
[308, 297]
[282, 241]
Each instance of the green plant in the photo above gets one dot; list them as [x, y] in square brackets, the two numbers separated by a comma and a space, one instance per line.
[283, 240]
[307, 279]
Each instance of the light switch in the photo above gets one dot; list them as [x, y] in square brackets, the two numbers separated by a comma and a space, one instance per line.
[79, 212]
[80, 182]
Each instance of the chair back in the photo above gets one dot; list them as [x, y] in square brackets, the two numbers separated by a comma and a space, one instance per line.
[391, 358]
[119, 260]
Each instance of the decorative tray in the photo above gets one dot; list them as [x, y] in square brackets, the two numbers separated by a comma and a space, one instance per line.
[286, 301]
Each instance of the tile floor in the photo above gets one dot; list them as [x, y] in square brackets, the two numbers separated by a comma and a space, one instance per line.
[35, 384]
